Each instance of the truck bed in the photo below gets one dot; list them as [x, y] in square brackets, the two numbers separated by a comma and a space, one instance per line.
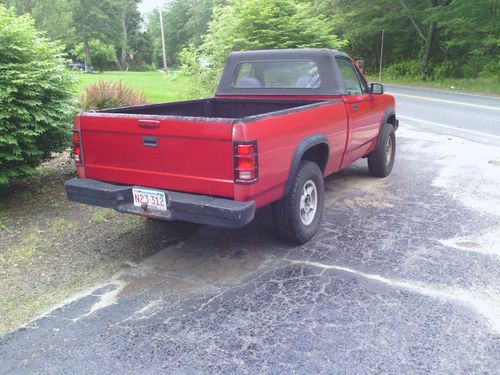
[182, 146]
[220, 108]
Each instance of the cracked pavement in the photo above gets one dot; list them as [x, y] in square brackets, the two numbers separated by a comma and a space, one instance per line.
[402, 278]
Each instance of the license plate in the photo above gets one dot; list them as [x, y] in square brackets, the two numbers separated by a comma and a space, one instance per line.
[155, 200]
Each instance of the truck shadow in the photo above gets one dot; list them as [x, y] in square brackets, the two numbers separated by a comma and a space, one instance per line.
[200, 256]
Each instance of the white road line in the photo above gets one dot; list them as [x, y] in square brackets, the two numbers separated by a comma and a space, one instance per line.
[447, 101]
[449, 127]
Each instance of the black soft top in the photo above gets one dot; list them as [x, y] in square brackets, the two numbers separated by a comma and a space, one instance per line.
[332, 82]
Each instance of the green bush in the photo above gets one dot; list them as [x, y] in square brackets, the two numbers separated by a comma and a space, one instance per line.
[141, 67]
[110, 94]
[445, 70]
[205, 78]
[101, 55]
[490, 70]
[36, 100]
[405, 69]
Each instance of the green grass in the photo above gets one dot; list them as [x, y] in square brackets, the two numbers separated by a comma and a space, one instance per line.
[490, 86]
[156, 86]
[159, 88]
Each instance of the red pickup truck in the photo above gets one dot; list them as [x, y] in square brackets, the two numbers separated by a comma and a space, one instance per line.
[280, 121]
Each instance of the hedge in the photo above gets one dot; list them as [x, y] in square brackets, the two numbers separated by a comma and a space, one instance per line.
[36, 97]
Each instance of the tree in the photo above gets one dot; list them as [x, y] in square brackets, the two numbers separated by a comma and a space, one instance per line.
[36, 97]
[54, 17]
[470, 35]
[361, 22]
[185, 23]
[265, 24]
[254, 24]
[99, 20]
[431, 34]
[134, 40]
[445, 38]
[102, 55]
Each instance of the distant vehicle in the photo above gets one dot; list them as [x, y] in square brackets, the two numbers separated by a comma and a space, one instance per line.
[280, 121]
[80, 67]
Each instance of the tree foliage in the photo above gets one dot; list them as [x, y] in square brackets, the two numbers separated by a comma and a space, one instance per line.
[449, 38]
[250, 25]
[36, 98]
[102, 54]
[71, 22]
[185, 23]
[445, 38]
[264, 24]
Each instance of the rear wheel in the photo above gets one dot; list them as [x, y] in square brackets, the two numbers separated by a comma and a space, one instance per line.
[297, 216]
[381, 161]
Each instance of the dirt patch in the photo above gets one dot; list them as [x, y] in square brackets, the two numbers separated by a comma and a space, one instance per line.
[51, 248]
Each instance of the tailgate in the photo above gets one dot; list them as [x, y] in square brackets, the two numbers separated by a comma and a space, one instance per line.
[173, 154]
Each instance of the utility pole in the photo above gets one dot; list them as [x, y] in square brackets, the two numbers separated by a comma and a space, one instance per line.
[381, 57]
[163, 41]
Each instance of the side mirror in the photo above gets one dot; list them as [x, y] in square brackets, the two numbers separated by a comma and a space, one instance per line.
[377, 88]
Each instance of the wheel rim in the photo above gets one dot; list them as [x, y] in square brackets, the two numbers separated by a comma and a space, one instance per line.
[308, 202]
[388, 151]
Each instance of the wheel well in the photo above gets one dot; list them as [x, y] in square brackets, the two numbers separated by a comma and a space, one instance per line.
[317, 154]
[392, 120]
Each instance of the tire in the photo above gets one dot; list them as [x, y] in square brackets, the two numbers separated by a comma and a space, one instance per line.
[381, 160]
[294, 224]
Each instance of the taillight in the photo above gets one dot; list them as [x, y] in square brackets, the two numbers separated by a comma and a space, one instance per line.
[77, 147]
[245, 162]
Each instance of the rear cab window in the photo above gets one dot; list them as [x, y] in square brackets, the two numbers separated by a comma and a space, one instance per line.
[276, 74]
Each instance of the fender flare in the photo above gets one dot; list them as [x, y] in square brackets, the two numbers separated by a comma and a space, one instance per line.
[301, 149]
[388, 113]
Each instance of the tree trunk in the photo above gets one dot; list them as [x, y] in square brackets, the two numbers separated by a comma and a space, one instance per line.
[123, 58]
[88, 55]
[428, 47]
[117, 63]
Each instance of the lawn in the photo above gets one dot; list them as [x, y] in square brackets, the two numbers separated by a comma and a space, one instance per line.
[159, 88]
[156, 86]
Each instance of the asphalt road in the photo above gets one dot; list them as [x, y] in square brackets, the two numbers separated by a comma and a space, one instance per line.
[474, 117]
[403, 278]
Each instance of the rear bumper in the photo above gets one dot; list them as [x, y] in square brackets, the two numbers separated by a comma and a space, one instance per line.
[194, 208]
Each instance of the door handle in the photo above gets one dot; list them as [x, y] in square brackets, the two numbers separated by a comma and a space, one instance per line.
[149, 124]
[355, 107]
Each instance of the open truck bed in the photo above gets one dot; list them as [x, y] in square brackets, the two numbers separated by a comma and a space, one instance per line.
[217, 108]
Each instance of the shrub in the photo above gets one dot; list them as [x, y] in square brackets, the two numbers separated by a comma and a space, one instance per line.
[141, 67]
[404, 69]
[490, 69]
[110, 94]
[445, 70]
[205, 78]
[36, 99]
[101, 55]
